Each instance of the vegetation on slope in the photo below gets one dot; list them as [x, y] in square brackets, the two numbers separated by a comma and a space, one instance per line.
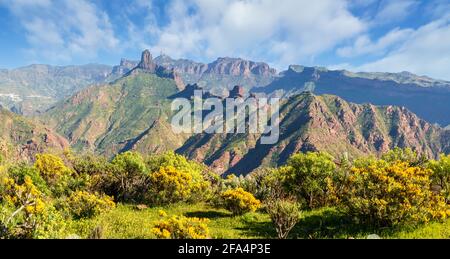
[167, 196]
[109, 118]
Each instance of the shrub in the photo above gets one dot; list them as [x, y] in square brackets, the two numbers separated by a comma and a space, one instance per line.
[239, 201]
[130, 176]
[309, 177]
[179, 162]
[21, 206]
[54, 172]
[180, 227]
[406, 155]
[82, 204]
[285, 215]
[19, 172]
[93, 174]
[257, 184]
[441, 175]
[169, 185]
[51, 167]
[386, 194]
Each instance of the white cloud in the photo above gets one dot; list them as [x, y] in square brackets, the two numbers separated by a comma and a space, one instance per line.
[287, 32]
[57, 31]
[426, 51]
[394, 11]
[363, 45]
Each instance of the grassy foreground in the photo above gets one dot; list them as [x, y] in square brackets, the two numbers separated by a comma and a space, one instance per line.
[127, 222]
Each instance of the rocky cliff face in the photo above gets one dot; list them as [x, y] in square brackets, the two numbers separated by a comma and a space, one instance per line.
[239, 67]
[320, 123]
[148, 65]
[147, 62]
[124, 67]
[21, 138]
[221, 75]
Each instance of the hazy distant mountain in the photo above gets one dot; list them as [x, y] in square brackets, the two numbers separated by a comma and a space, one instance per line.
[36, 87]
[426, 97]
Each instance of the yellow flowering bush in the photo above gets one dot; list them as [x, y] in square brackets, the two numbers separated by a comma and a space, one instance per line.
[50, 166]
[82, 204]
[239, 202]
[21, 206]
[54, 172]
[170, 185]
[387, 194]
[180, 227]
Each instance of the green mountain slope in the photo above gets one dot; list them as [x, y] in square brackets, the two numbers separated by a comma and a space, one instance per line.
[22, 138]
[110, 117]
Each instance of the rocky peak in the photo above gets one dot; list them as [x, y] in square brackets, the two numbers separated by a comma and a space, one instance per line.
[296, 68]
[237, 92]
[128, 63]
[239, 67]
[147, 62]
[124, 67]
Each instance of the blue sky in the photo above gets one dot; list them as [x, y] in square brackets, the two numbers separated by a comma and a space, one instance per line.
[362, 35]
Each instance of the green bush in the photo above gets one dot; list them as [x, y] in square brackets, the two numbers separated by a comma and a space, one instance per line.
[406, 155]
[239, 201]
[94, 173]
[130, 176]
[82, 204]
[441, 175]
[285, 214]
[309, 177]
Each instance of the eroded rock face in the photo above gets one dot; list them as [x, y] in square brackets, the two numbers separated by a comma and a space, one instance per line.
[239, 67]
[24, 139]
[147, 65]
[147, 62]
[124, 67]
[321, 123]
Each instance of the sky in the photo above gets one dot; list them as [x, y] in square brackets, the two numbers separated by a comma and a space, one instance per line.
[357, 35]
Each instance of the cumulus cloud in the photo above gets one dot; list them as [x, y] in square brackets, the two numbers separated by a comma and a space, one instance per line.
[287, 32]
[425, 51]
[363, 45]
[393, 11]
[59, 30]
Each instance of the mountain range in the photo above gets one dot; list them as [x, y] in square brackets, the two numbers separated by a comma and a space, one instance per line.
[128, 108]
[426, 97]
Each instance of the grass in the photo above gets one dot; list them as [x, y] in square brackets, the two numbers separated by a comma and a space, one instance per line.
[126, 222]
